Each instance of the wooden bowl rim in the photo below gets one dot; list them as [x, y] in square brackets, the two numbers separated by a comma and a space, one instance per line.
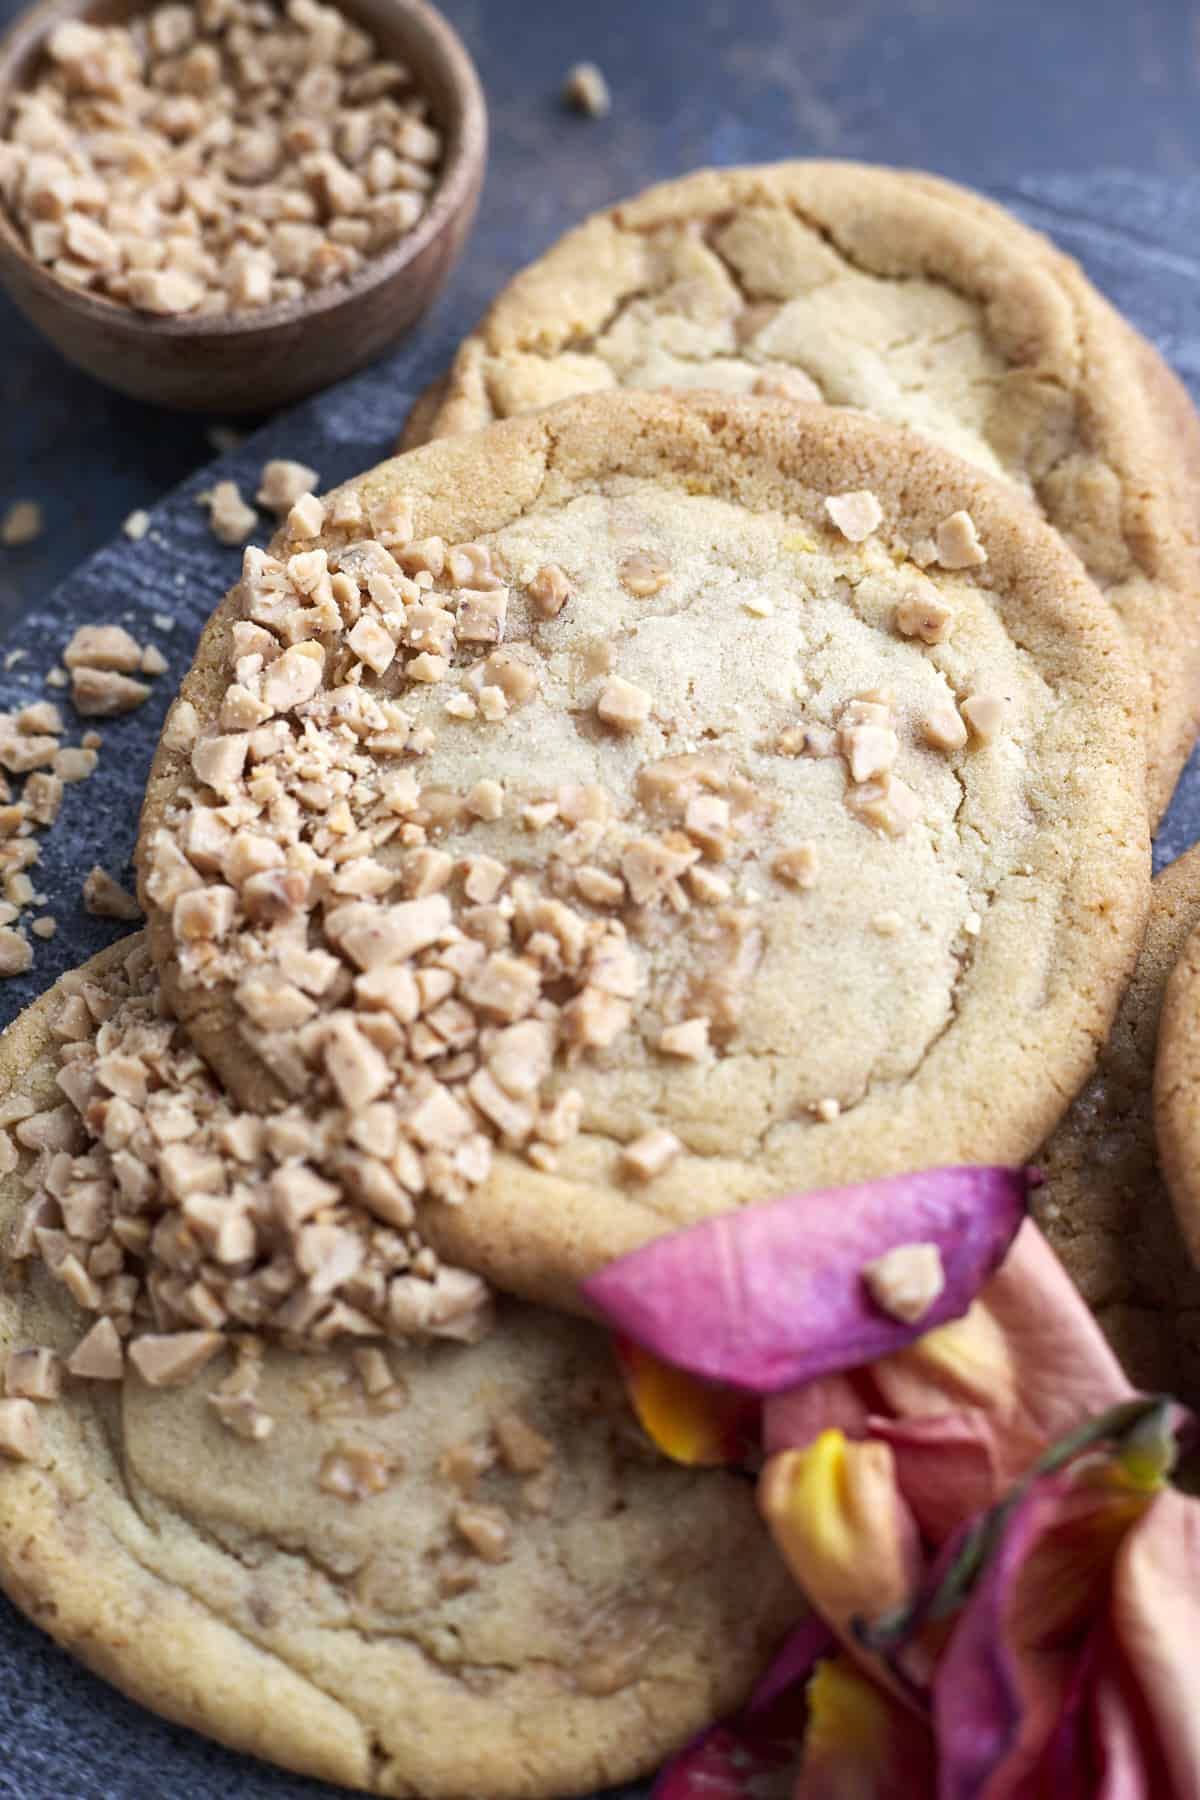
[465, 154]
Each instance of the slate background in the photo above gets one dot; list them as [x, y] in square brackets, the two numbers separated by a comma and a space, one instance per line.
[1084, 117]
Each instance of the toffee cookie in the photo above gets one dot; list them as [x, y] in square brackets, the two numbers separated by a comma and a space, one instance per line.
[915, 301]
[1104, 1205]
[423, 1571]
[613, 801]
[1177, 1090]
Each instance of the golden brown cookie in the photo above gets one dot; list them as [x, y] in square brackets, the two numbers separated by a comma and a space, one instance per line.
[908, 297]
[1177, 1090]
[758, 855]
[1105, 1205]
[419, 425]
[442, 1571]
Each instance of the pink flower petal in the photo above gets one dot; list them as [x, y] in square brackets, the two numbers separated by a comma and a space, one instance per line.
[774, 1295]
[753, 1755]
[981, 1708]
[945, 1467]
[1156, 1617]
[829, 1403]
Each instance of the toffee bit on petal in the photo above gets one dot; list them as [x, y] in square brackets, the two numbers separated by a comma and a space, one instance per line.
[906, 1280]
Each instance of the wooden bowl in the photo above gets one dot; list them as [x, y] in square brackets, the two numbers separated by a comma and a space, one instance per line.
[259, 360]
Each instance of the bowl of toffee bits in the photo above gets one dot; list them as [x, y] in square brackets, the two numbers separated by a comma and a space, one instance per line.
[227, 204]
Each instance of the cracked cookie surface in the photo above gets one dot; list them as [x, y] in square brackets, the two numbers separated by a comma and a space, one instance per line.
[443, 1572]
[1105, 1206]
[914, 300]
[784, 860]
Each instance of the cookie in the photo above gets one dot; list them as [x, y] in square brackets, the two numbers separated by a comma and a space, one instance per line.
[908, 297]
[1177, 1089]
[757, 856]
[420, 424]
[1105, 1205]
[434, 1571]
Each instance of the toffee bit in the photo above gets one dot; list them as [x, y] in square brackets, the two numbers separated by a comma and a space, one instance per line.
[355, 1473]
[230, 519]
[651, 1154]
[906, 1280]
[16, 956]
[106, 898]
[585, 90]
[21, 524]
[856, 515]
[958, 545]
[20, 1431]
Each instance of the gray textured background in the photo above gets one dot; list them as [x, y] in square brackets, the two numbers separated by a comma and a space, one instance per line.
[1027, 99]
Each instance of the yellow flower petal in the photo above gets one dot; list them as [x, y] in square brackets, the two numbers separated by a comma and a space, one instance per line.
[836, 1513]
[689, 1420]
[860, 1744]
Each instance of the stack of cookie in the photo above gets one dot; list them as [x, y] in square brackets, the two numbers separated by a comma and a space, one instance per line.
[719, 763]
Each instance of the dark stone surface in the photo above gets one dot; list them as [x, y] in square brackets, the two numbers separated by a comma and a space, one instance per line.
[1025, 99]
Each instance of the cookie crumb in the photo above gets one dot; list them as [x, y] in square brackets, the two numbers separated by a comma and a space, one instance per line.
[21, 524]
[759, 606]
[585, 90]
[224, 439]
[905, 1281]
[137, 525]
[887, 924]
[44, 928]
[828, 1110]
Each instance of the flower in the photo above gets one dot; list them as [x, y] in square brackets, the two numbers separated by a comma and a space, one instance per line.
[979, 1512]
